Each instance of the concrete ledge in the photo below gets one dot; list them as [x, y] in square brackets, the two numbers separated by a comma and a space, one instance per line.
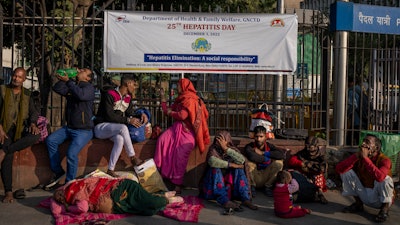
[31, 165]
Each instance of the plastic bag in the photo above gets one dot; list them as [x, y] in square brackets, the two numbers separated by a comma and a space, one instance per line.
[138, 134]
[149, 177]
[261, 117]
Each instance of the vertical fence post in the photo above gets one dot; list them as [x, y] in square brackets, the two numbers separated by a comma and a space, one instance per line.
[341, 40]
[279, 77]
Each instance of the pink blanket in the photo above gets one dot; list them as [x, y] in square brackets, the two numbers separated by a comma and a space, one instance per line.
[187, 211]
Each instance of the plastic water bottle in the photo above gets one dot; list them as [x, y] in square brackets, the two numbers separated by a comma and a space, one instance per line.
[70, 72]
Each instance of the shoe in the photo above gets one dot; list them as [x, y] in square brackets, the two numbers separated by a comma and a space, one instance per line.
[382, 216]
[112, 173]
[353, 208]
[136, 161]
[19, 194]
[253, 191]
[249, 205]
[268, 191]
[54, 181]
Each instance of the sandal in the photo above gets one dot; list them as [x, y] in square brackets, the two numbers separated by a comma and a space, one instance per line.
[382, 216]
[228, 212]
[19, 194]
[353, 208]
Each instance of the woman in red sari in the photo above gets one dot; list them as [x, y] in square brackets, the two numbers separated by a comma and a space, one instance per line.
[190, 129]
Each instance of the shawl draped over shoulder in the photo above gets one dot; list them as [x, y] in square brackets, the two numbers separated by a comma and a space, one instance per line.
[198, 113]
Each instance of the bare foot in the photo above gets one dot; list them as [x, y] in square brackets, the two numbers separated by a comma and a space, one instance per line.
[175, 199]
[169, 194]
[8, 198]
[308, 211]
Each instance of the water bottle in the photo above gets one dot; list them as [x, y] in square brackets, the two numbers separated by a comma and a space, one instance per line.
[70, 72]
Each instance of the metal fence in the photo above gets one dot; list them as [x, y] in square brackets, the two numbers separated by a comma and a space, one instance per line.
[66, 35]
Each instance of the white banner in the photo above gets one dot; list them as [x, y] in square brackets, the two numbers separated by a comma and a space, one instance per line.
[200, 42]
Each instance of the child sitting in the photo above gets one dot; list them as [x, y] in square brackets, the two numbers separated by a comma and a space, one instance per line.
[283, 200]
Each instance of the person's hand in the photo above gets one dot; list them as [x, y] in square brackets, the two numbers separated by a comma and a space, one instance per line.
[236, 166]
[258, 151]
[144, 118]
[3, 135]
[33, 129]
[221, 142]
[136, 122]
[364, 151]
[64, 78]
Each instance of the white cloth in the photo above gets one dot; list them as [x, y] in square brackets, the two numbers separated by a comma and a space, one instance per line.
[373, 197]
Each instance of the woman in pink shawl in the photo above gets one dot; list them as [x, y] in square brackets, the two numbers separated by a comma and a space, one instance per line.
[189, 129]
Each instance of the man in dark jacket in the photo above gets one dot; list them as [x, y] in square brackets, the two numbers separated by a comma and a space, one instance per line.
[265, 161]
[79, 124]
[17, 113]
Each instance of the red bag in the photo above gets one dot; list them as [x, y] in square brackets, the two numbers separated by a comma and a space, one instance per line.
[156, 132]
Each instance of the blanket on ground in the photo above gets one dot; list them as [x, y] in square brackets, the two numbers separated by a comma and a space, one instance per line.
[187, 211]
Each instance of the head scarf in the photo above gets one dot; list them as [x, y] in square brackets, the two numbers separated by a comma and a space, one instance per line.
[314, 159]
[309, 154]
[198, 113]
[216, 151]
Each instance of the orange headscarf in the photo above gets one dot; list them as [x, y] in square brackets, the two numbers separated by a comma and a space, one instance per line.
[198, 113]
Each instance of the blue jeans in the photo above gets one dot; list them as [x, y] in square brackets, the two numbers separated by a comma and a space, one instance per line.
[79, 138]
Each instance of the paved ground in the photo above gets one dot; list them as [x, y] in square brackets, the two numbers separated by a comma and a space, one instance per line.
[25, 211]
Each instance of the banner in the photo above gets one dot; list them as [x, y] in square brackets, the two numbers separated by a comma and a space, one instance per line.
[164, 42]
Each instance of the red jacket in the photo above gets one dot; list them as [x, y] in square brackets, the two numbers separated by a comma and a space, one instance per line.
[367, 170]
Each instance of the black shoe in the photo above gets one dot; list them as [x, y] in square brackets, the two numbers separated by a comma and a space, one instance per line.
[54, 181]
[268, 191]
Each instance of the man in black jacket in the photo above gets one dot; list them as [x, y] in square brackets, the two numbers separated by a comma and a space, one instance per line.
[79, 124]
[265, 161]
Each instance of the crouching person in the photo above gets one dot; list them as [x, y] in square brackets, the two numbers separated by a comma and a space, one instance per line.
[366, 175]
